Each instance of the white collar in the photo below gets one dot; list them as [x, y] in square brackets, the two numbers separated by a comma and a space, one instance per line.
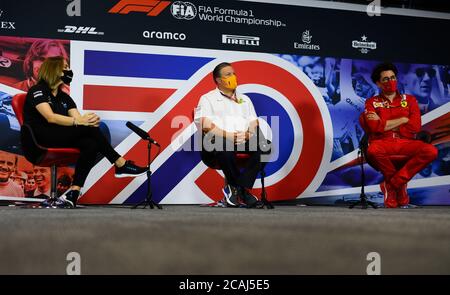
[220, 95]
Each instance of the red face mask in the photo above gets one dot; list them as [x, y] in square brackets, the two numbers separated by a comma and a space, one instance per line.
[389, 86]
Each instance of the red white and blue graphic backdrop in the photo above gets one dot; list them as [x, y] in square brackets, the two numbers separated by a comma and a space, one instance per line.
[142, 78]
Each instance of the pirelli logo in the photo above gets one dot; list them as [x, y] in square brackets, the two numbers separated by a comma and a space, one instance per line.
[150, 7]
[240, 40]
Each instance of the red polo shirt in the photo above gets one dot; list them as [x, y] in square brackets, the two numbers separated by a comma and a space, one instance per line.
[402, 106]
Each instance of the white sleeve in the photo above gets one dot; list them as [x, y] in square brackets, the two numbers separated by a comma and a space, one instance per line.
[203, 109]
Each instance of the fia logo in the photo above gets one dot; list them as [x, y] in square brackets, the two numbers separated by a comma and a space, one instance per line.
[74, 8]
[183, 10]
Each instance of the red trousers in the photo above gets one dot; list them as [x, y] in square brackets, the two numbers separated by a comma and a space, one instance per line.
[417, 156]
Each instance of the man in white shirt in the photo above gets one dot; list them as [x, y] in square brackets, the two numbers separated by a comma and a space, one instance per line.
[229, 124]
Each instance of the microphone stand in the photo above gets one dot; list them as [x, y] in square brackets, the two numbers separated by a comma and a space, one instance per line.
[363, 202]
[148, 201]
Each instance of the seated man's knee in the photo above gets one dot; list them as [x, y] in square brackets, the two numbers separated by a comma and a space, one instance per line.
[429, 151]
[374, 150]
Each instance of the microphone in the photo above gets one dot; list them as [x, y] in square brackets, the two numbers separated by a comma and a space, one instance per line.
[142, 134]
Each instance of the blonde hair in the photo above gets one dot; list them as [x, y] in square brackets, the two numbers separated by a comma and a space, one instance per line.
[50, 71]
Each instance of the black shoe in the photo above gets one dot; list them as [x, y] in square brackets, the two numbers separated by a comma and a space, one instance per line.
[232, 195]
[130, 170]
[248, 198]
[68, 200]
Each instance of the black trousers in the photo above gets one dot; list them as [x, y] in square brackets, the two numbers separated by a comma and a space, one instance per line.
[234, 175]
[89, 140]
[224, 155]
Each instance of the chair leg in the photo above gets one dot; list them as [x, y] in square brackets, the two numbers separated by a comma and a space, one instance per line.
[53, 195]
[264, 200]
[363, 202]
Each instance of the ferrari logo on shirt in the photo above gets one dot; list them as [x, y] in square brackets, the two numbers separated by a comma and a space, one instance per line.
[404, 103]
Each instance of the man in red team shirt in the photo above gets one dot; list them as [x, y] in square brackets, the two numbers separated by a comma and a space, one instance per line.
[392, 121]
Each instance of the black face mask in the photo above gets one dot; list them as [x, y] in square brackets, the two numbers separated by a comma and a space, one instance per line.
[67, 76]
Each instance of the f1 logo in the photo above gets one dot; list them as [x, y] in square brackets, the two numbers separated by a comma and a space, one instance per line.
[151, 7]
